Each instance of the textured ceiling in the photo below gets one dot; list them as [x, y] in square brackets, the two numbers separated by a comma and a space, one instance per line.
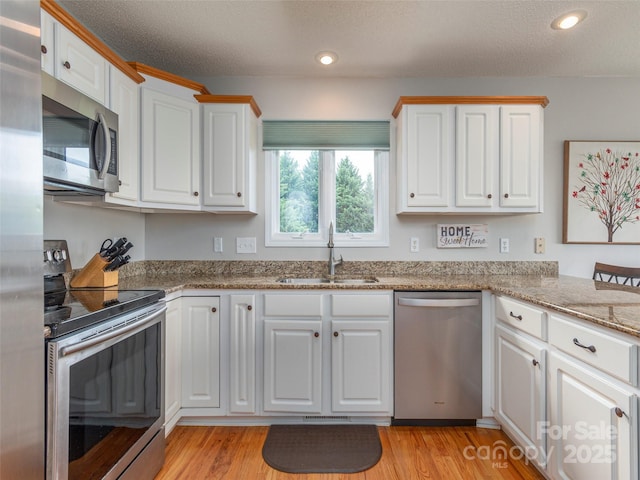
[427, 38]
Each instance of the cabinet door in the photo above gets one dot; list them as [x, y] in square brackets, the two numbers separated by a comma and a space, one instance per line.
[173, 362]
[170, 149]
[292, 365]
[361, 366]
[476, 155]
[124, 96]
[520, 155]
[79, 65]
[230, 149]
[242, 353]
[521, 392]
[200, 352]
[592, 424]
[47, 52]
[428, 155]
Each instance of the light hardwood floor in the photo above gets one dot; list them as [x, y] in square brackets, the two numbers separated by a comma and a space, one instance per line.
[408, 453]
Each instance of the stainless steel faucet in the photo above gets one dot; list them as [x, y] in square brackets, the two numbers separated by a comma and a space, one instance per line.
[333, 263]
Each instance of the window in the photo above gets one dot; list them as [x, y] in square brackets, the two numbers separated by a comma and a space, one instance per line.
[307, 190]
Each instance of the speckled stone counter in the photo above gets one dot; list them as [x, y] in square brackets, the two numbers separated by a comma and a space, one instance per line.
[535, 282]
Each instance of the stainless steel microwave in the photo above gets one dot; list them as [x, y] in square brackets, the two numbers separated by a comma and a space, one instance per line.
[80, 142]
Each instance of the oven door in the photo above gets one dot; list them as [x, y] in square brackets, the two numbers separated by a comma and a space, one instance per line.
[105, 395]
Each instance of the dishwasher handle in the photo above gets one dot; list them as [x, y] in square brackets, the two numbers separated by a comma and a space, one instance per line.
[438, 302]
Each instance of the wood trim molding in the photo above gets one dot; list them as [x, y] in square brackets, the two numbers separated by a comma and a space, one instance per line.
[62, 16]
[458, 100]
[168, 77]
[231, 99]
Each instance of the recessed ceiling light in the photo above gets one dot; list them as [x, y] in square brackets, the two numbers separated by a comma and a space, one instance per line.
[568, 20]
[327, 58]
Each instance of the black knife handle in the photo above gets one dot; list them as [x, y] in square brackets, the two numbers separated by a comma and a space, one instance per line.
[117, 245]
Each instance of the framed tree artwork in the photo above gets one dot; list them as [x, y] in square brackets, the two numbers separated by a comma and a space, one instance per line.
[601, 192]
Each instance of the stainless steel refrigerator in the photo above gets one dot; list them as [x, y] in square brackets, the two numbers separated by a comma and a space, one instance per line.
[21, 288]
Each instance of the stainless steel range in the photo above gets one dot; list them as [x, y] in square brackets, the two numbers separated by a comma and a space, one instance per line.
[104, 377]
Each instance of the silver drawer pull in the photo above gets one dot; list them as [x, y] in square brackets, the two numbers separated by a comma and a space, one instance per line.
[517, 317]
[577, 343]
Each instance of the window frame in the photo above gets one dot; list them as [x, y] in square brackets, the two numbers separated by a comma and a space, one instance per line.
[326, 205]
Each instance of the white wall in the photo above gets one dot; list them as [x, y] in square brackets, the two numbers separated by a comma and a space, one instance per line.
[579, 109]
[85, 228]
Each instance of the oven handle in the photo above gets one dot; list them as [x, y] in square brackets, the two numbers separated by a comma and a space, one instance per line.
[121, 332]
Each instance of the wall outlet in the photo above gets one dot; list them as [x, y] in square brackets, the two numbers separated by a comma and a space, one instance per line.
[245, 244]
[504, 245]
[415, 244]
[539, 245]
[217, 244]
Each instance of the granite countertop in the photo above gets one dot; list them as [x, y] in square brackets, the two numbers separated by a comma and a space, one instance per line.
[609, 305]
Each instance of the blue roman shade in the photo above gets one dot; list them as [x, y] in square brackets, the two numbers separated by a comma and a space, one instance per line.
[325, 135]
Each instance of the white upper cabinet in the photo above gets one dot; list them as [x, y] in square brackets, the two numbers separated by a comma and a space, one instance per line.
[425, 157]
[230, 142]
[47, 39]
[521, 156]
[476, 152]
[124, 100]
[469, 154]
[68, 58]
[170, 135]
[80, 65]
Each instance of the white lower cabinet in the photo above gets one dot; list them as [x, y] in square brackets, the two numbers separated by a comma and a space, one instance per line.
[200, 352]
[520, 399]
[293, 365]
[242, 354]
[585, 425]
[173, 364]
[328, 354]
[360, 366]
[593, 424]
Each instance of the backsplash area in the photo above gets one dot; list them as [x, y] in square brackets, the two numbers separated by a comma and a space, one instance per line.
[319, 268]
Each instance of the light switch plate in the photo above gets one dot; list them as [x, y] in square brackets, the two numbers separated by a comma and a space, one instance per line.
[245, 244]
[217, 244]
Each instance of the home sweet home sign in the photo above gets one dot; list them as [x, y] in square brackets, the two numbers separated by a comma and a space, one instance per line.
[462, 235]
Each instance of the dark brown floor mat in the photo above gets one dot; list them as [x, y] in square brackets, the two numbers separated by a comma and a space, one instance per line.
[322, 448]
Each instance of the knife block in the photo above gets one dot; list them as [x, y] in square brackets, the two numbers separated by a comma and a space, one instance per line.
[93, 275]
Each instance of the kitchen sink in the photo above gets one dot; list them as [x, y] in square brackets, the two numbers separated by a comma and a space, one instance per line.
[303, 281]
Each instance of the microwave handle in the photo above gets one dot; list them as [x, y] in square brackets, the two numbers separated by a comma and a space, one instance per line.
[107, 146]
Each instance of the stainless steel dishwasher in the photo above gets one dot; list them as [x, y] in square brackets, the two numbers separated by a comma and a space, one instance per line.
[438, 358]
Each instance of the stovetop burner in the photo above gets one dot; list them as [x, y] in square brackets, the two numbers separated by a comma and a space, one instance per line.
[72, 310]
[67, 311]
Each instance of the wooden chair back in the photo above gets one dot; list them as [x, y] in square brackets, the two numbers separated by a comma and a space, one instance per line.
[617, 274]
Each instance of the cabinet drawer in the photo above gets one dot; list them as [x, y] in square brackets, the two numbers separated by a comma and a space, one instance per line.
[609, 353]
[360, 305]
[293, 305]
[520, 316]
